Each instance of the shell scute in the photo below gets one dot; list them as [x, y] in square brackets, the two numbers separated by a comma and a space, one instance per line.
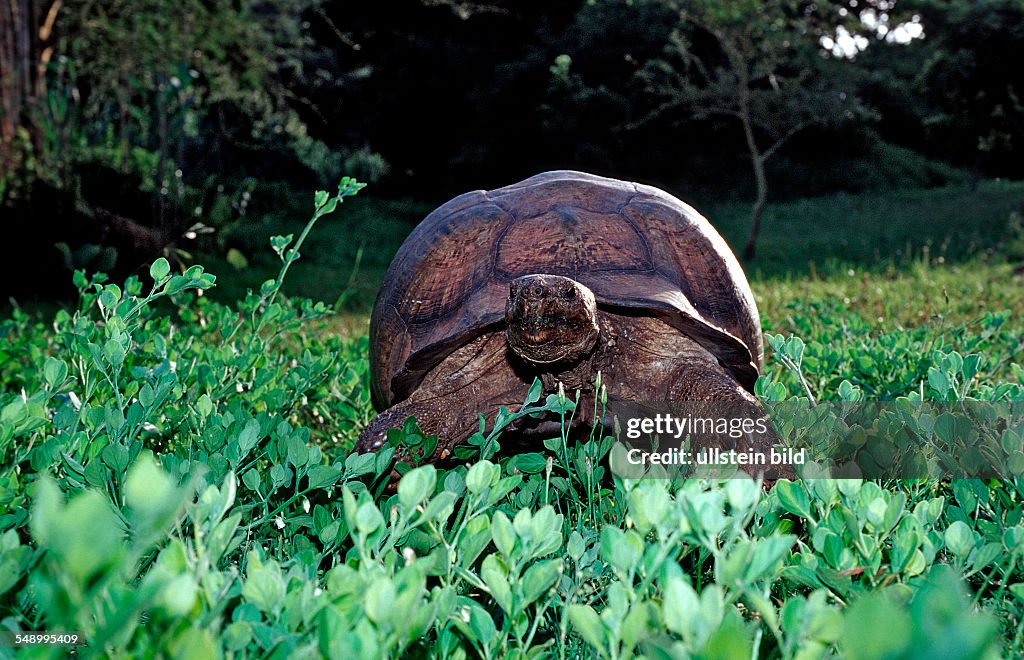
[636, 247]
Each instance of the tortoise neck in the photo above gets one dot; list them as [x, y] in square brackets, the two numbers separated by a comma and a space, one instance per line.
[580, 373]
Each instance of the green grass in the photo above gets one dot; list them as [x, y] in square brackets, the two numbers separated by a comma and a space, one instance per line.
[964, 307]
[939, 295]
[875, 230]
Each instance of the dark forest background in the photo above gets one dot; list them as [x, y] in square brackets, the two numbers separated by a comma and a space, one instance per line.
[137, 128]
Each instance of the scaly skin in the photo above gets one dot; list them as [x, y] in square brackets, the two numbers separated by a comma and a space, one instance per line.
[474, 379]
[555, 332]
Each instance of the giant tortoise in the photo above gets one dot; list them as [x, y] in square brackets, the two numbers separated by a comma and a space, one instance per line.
[558, 277]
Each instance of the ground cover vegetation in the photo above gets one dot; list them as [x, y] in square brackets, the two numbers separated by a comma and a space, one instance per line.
[176, 478]
[174, 470]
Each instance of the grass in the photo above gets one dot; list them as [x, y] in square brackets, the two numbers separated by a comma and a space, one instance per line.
[876, 230]
[941, 299]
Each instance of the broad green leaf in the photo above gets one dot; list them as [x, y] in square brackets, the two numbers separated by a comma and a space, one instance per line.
[416, 486]
[680, 607]
[768, 555]
[323, 476]
[585, 620]
[55, 372]
[159, 270]
[503, 533]
[539, 578]
[264, 584]
[793, 498]
[380, 600]
[621, 549]
[494, 575]
[959, 539]
[481, 476]
[368, 518]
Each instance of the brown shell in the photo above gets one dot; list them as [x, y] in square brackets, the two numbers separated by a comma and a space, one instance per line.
[637, 248]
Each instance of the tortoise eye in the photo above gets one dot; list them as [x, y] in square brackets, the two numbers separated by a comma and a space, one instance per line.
[570, 293]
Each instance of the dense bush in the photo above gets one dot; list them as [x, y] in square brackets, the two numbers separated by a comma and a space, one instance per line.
[175, 482]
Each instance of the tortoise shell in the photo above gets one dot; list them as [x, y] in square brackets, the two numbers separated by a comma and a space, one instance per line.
[639, 249]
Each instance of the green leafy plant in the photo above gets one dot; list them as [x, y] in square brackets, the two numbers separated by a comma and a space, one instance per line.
[176, 478]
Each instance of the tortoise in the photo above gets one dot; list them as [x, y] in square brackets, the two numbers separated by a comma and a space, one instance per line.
[557, 277]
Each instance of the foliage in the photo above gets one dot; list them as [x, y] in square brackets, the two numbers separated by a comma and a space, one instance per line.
[343, 262]
[760, 74]
[175, 480]
[976, 108]
[121, 76]
[527, 87]
[270, 86]
[144, 125]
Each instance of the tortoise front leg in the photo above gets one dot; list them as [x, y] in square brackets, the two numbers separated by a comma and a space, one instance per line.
[709, 390]
[474, 379]
[666, 366]
[446, 416]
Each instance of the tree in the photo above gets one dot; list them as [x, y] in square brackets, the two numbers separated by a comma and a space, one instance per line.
[975, 94]
[126, 82]
[27, 35]
[751, 61]
[124, 123]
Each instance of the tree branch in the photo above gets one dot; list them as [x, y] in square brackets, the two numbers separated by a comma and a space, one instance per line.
[673, 105]
[782, 140]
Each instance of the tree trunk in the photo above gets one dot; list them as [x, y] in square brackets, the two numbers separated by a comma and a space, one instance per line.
[16, 64]
[26, 32]
[162, 185]
[750, 250]
[760, 179]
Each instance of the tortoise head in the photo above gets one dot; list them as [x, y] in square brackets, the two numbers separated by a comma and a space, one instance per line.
[550, 318]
